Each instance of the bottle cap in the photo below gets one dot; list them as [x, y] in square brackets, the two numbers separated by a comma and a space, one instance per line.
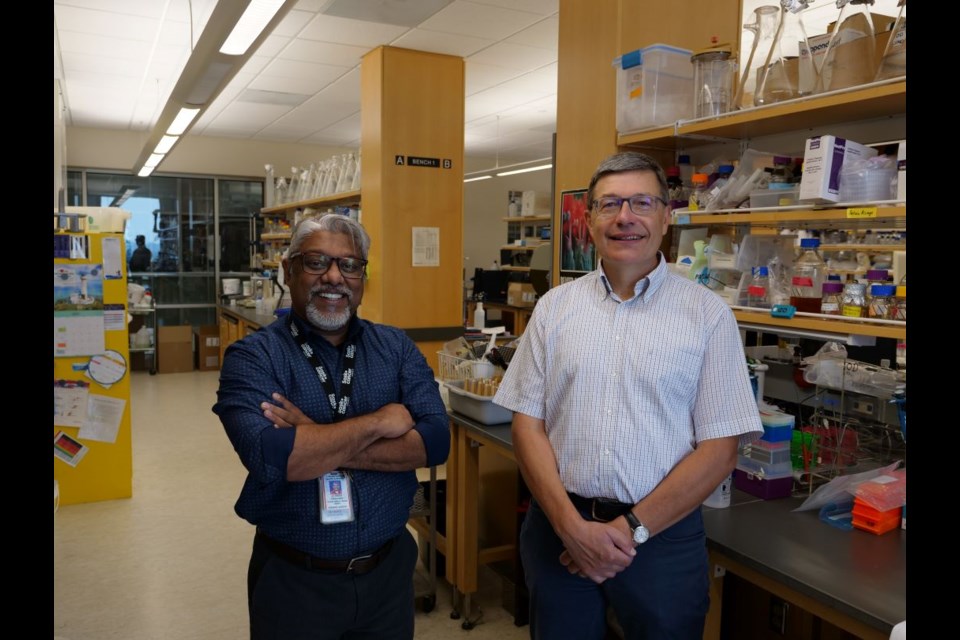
[877, 274]
[763, 271]
[809, 243]
[700, 177]
[882, 290]
[725, 168]
[778, 160]
[902, 291]
[832, 286]
[673, 172]
[683, 159]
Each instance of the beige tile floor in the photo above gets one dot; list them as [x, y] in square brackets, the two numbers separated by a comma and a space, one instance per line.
[170, 563]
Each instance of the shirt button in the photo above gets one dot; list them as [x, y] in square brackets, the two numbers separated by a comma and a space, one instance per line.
[618, 338]
[606, 452]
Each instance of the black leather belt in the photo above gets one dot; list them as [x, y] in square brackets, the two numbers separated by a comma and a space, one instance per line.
[357, 566]
[600, 509]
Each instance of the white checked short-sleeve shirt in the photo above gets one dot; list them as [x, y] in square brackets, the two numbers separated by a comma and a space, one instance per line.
[628, 388]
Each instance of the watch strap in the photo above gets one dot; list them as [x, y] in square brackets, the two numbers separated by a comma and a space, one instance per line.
[632, 520]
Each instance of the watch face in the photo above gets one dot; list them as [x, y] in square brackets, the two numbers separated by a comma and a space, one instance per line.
[640, 534]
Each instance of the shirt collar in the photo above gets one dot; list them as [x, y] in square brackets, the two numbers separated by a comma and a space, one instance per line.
[646, 286]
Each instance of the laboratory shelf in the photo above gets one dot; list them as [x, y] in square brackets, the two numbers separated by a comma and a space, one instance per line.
[546, 218]
[873, 101]
[819, 324]
[347, 197]
[859, 215]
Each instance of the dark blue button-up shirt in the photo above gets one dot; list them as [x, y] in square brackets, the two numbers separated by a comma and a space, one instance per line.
[388, 368]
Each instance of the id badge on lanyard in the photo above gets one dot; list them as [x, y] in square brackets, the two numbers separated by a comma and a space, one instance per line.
[336, 504]
[336, 500]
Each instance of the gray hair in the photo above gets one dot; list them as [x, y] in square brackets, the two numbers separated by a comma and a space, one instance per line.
[628, 161]
[331, 223]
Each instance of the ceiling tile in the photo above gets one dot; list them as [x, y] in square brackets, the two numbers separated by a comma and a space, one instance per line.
[355, 32]
[543, 7]
[77, 42]
[439, 42]
[483, 76]
[253, 115]
[544, 34]
[479, 20]
[292, 23]
[102, 23]
[341, 55]
[515, 56]
[271, 46]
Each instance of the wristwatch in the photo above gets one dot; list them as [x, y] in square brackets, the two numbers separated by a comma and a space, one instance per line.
[640, 533]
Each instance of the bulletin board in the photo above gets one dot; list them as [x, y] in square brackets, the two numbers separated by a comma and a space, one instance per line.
[92, 449]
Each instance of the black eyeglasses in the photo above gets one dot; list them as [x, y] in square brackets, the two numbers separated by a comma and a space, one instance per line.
[317, 264]
[640, 205]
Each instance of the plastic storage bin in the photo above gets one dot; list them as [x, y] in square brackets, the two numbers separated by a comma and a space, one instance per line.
[654, 87]
[869, 519]
[480, 408]
[767, 481]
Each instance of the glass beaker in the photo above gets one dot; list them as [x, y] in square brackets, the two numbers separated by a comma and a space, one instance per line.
[763, 27]
[893, 64]
[787, 74]
[713, 73]
[850, 59]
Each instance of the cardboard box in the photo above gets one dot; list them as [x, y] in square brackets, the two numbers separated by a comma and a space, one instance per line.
[534, 203]
[206, 347]
[823, 158]
[521, 294]
[175, 349]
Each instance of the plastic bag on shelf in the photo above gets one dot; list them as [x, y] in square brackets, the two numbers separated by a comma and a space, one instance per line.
[840, 488]
[830, 368]
[869, 179]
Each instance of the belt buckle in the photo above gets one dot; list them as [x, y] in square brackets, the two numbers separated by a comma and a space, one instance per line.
[593, 511]
[357, 559]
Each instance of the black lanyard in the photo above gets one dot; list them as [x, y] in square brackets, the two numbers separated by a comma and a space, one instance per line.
[346, 383]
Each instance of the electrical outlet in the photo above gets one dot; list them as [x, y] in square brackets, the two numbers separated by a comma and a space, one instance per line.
[863, 407]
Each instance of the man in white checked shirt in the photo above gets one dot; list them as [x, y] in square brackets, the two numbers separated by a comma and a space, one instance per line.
[631, 394]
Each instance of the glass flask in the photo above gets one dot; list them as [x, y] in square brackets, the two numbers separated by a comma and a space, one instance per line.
[893, 64]
[294, 186]
[763, 27]
[787, 74]
[850, 59]
[355, 185]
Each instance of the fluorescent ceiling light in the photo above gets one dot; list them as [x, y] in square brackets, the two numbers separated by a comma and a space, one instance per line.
[182, 121]
[249, 26]
[515, 171]
[153, 160]
[166, 143]
[144, 172]
[477, 178]
[125, 192]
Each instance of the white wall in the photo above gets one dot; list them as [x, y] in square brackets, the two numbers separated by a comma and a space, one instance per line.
[484, 207]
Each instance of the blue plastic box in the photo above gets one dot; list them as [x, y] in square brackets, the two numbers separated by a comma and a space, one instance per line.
[777, 426]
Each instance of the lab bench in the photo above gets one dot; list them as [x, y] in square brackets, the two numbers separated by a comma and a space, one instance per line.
[853, 580]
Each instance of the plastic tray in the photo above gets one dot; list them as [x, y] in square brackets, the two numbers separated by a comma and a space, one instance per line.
[766, 488]
[480, 408]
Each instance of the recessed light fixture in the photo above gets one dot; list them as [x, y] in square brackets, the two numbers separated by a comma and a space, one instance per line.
[256, 16]
[477, 178]
[515, 171]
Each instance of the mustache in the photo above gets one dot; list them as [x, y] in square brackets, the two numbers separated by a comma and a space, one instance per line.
[338, 289]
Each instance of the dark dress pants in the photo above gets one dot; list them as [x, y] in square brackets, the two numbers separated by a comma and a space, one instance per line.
[290, 602]
[664, 593]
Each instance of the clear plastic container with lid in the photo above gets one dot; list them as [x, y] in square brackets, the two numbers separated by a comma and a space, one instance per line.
[807, 276]
[854, 304]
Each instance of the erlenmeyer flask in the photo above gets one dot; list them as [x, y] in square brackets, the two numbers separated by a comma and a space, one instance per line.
[764, 27]
[783, 78]
[893, 64]
[850, 59]
[294, 186]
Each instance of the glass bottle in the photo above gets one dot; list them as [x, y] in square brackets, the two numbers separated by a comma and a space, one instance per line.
[850, 59]
[713, 78]
[875, 276]
[831, 301]
[893, 63]
[900, 303]
[784, 76]
[854, 303]
[763, 27]
[355, 185]
[757, 292]
[881, 302]
[686, 170]
[269, 190]
[675, 189]
[806, 280]
[697, 200]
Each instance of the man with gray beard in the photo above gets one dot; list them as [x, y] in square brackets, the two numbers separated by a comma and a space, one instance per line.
[331, 415]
